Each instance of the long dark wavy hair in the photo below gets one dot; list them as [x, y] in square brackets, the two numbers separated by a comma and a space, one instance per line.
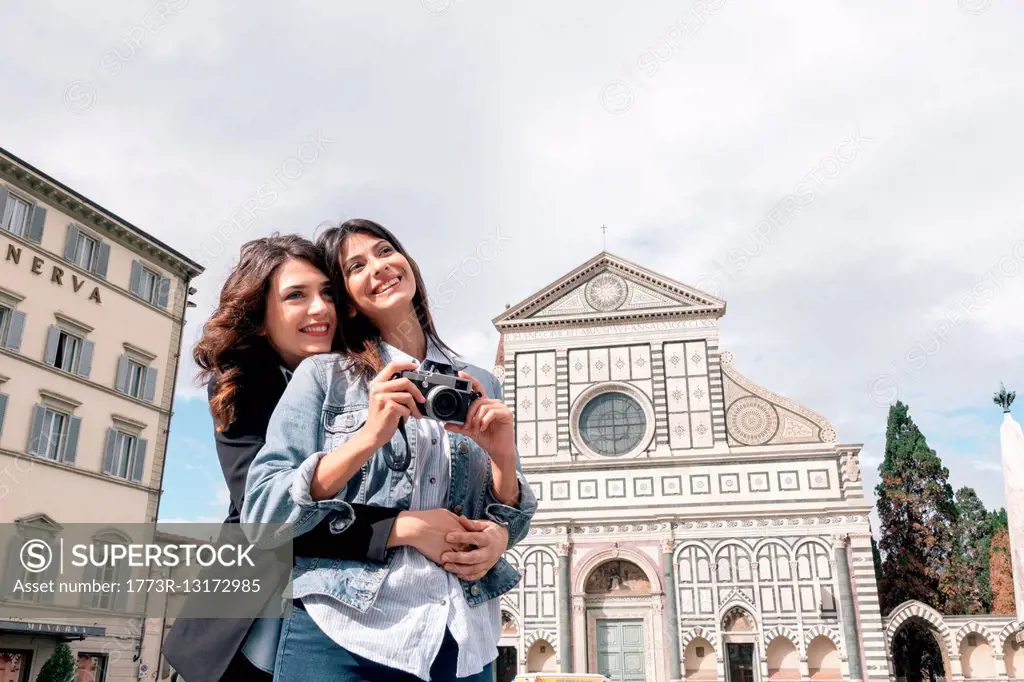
[358, 334]
[232, 345]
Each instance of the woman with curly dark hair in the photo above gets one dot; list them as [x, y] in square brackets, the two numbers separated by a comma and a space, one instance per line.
[275, 309]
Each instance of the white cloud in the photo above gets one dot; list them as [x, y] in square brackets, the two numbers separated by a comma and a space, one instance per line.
[445, 127]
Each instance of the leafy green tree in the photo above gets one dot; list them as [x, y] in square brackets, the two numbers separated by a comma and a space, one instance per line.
[60, 666]
[917, 514]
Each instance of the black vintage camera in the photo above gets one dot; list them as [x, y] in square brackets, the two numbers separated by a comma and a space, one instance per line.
[448, 396]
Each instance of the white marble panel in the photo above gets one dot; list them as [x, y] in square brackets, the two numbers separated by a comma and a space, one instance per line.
[526, 403]
[700, 425]
[699, 393]
[526, 439]
[641, 359]
[675, 359]
[599, 370]
[546, 408]
[677, 392]
[526, 370]
[620, 368]
[578, 364]
[679, 431]
[547, 436]
[696, 358]
[546, 369]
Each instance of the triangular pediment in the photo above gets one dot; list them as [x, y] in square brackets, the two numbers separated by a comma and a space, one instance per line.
[39, 522]
[609, 289]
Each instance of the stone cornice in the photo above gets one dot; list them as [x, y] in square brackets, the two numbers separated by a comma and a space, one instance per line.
[92, 215]
[825, 524]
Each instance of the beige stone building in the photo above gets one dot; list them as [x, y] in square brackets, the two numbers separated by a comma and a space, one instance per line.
[91, 316]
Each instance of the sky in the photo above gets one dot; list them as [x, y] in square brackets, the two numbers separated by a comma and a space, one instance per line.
[845, 175]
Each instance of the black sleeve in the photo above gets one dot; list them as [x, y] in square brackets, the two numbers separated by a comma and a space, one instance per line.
[365, 540]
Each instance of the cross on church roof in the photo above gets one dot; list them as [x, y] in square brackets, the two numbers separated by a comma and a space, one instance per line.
[604, 237]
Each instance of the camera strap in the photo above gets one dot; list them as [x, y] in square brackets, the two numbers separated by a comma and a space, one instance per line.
[391, 458]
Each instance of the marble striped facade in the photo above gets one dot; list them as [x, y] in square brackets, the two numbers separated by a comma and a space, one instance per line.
[738, 517]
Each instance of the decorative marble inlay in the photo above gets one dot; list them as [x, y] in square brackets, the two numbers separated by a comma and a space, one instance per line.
[620, 363]
[677, 395]
[546, 368]
[679, 430]
[639, 362]
[701, 429]
[578, 366]
[526, 370]
[606, 292]
[788, 480]
[546, 403]
[671, 485]
[818, 479]
[695, 358]
[758, 482]
[752, 421]
[675, 359]
[698, 393]
[527, 404]
[526, 440]
[643, 487]
[547, 437]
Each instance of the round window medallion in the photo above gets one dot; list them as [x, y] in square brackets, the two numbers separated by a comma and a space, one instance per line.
[612, 424]
[752, 421]
[606, 292]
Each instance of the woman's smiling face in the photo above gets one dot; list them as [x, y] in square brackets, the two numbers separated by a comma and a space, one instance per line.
[378, 278]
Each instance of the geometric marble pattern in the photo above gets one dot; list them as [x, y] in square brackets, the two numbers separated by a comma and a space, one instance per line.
[688, 395]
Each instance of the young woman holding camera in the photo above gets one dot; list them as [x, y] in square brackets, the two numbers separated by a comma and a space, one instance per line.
[343, 432]
[275, 309]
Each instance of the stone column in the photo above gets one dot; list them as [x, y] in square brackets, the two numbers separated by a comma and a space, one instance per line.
[580, 654]
[564, 608]
[1012, 442]
[671, 616]
[847, 611]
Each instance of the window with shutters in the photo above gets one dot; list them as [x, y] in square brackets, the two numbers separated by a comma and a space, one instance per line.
[124, 453]
[53, 433]
[85, 253]
[109, 572]
[16, 215]
[12, 321]
[135, 377]
[149, 285]
[68, 346]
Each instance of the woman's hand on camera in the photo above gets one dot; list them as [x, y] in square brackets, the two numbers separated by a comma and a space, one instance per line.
[390, 400]
[490, 540]
[489, 423]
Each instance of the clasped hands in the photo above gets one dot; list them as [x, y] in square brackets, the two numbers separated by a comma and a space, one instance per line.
[465, 547]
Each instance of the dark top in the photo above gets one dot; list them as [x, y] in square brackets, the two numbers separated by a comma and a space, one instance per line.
[365, 540]
[201, 649]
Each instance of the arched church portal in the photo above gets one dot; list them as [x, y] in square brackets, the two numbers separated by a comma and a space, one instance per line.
[622, 621]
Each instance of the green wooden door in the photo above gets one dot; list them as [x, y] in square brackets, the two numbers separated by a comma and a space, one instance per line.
[620, 650]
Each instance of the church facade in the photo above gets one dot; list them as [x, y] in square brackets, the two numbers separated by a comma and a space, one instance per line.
[692, 524]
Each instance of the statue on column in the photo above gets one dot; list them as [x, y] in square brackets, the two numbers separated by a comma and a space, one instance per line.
[1012, 444]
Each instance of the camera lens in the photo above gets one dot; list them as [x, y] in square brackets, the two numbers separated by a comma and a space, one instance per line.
[445, 404]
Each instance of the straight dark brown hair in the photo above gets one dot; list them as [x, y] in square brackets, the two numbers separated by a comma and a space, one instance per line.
[358, 334]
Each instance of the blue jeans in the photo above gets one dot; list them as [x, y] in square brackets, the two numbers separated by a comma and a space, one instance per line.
[306, 654]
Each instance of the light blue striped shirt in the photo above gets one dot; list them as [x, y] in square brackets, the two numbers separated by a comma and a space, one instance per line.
[418, 600]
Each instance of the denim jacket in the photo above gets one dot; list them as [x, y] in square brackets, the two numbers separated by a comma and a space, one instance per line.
[324, 405]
